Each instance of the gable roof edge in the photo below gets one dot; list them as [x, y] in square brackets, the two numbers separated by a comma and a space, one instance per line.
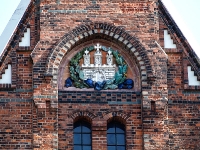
[173, 27]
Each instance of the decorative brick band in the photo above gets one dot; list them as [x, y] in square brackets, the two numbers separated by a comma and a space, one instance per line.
[183, 102]
[6, 100]
[85, 31]
[116, 114]
[7, 87]
[67, 11]
[78, 114]
[107, 116]
[99, 97]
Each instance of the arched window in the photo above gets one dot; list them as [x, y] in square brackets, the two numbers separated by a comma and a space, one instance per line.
[82, 135]
[116, 136]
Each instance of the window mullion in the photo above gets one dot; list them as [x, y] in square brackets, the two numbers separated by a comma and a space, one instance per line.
[81, 135]
[117, 131]
[115, 138]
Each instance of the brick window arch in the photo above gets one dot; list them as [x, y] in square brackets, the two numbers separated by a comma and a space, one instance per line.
[116, 136]
[82, 139]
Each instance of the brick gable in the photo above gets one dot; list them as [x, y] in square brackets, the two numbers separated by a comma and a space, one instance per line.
[38, 111]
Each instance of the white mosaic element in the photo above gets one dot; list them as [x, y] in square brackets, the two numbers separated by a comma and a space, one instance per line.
[192, 79]
[86, 34]
[121, 39]
[26, 39]
[136, 54]
[86, 57]
[68, 45]
[125, 42]
[90, 32]
[76, 39]
[7, 77]
[141, 63]
[109, 58]
[133, 49]
[116, 36]
[97, 71]
[111, 34]
[168, 42]
[71, 41]
[106, 32]
[129, 45]
[98, 56]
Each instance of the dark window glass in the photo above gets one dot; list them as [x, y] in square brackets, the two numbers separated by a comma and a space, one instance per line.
[77, 147]
[116, 136]
[82, 136]
[120, 147]
[111, 139]
[111, 128]
[120, 139]
[77, 138]
[87, 148]
[86, 139]
[111, 147]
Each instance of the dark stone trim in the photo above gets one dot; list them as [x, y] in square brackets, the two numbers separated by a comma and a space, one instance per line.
[99, 97]
[125, 103]
[101, 92]
[170, 102]
[6, 100]
[138, 102]
[7, 87]
[82, 102]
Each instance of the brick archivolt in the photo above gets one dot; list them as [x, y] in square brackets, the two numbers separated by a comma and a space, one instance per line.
[88, 115]
[85, 31]
[120, 116]
[82, 114]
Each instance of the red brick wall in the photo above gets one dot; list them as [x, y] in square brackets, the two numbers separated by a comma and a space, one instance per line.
[99, 107]
[37, 112]
[16, 124]
[184, 106]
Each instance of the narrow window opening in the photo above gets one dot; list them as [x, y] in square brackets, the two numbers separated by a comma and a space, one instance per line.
[153, 106]
[82, 135]
[116, 139]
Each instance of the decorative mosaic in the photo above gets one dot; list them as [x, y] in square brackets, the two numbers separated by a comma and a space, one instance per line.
[98, 76]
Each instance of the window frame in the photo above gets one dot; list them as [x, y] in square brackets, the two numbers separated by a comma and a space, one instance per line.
[79, 125]
[116, 125]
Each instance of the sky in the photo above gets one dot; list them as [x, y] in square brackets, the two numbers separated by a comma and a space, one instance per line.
[186, 14]
[7, 8]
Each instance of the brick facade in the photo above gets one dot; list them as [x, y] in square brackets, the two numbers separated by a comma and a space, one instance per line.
[38, 112]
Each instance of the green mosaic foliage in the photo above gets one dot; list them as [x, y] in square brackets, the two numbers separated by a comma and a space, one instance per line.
[77, 74]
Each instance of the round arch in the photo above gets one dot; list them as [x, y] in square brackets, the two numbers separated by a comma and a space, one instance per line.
[82, 114]
[120, 116]
[86, 31]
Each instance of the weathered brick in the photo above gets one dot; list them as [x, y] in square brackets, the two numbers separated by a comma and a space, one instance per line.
[38, 112]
